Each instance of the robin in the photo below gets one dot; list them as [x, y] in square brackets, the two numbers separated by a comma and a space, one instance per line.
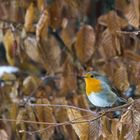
[99, 90]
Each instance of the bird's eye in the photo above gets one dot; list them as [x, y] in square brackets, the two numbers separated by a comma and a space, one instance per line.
[91, 76]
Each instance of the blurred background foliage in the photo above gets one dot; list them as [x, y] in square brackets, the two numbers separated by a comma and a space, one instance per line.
[46, 46]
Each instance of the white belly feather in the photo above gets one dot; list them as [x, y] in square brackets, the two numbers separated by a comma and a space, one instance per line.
[102, 100]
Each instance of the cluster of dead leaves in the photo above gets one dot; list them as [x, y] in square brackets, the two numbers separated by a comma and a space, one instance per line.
[51, 44]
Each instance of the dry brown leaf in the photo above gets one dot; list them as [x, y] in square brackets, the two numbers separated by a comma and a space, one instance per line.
[125, 118]
[13, 110]
[60, 113]
[68, 34]
[32, 49]
[50, 59]
[8, 41]
[106, 127]
[95, 129]
[11, 10]
[132, 119]
[86, 130]
[61, 116]
[130, 10]
[85, 42]
[132, 13]
[20, 116]
[29, 18]
[81, 129]
[136, 119]
[112, 21]
[68, 74]
[106, 48]
[114, 129]
[77, 6]
[82, 101]
[30, 84]
[8, 77]
[45, 114]
[74, 3]
[3, 135]
[57, 13]
[131, 55]
[121, 78]
[41, 4]
[30, 115]
[42, 25]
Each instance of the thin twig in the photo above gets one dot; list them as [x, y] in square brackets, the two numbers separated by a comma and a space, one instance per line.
[126, 32]
[58, 105]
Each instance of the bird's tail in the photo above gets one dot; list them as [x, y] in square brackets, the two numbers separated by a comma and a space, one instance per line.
[121, 101]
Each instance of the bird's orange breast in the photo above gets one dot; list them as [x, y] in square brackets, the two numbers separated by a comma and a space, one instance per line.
[93, 85]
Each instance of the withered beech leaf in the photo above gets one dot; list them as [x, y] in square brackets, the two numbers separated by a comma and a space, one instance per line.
[68, 34]
[81, 129]
[95, 129]
[68, 75]
[29, 84]
[20, 116]
[89, 130]
[115, 127]
[84, 45]
[42, 25]
[106, 48]
[131, 12]
[3, 135]
[121, 78]
[30, 115]
[13, 111]
[112, 21]
[8, 41]
[131, 55]
[29, 18]
[41, 4]
[74, 3]
[126, 117]
[57, 14]
[60, 113]
[45, 114]
[32, 50]
[131, 118]
[106, 127]
[51, 59]
[136, 119]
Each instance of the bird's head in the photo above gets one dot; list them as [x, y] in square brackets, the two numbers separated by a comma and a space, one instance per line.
[93, 82]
